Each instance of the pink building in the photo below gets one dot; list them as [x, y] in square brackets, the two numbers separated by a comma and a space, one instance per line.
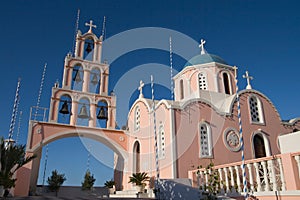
[199, 126]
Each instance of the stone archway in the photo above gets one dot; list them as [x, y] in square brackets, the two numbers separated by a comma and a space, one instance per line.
[42, 133]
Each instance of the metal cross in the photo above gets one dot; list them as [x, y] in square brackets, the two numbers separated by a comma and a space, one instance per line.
[201, 46]
[246, 75]
[91, 25]
[141, 89]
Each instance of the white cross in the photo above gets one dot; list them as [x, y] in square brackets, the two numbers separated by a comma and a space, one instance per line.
[201, 46]
[141, 89]
[248, 80]
[91, 25]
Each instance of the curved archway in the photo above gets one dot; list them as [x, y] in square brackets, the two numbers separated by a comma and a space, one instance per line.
[260, 144]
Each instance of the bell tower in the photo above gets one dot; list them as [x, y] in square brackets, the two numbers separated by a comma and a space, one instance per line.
[83, 97]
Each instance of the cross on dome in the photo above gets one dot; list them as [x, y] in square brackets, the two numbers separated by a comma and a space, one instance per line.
[91, 25]
[201, 46]
[246, 76]
[140, 88]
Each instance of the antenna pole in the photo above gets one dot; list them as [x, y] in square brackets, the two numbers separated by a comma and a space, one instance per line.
[40, 92]
[76, 30]
[103, 28]
[14, 113]
[171, 69]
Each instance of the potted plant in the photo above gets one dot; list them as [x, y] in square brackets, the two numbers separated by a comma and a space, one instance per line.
[139, 179]
[111, 186]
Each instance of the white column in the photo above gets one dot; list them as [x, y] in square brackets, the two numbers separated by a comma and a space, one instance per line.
[249, 166]
[282, 179]
[221, 181]
[201, 180]
[206, 178]
[297, 158]
[267, 185]
[232, 179]
[238, 180]
[257, 176]
[226, 180]
[273, 174]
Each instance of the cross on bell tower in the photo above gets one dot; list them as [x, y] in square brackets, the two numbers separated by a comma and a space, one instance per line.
[201, 46]
[91, 25]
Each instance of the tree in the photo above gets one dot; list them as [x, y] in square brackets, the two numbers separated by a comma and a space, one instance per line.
[89, 181]
[12, 158]
[55, 181]
[109, 184]
[139, 178]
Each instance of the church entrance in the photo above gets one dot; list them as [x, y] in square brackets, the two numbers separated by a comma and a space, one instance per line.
[136, 157]
[259, 146]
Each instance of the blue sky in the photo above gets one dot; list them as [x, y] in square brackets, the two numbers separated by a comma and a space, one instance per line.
[259, 36]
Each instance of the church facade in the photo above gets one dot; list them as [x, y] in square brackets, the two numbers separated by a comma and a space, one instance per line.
[165, 138]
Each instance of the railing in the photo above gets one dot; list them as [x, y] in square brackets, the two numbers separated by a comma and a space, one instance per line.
[38, 114]
[263, 174]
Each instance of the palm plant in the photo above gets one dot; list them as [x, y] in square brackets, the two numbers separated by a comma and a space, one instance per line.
[139, 178]
[109, 184]
[12, 158]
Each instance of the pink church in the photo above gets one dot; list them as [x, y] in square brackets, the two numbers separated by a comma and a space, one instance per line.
[172, 138]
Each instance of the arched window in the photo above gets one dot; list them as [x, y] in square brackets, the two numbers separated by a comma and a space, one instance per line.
[77, 78]
[202, 81]
[226, 83]
[88, 49]
[161, 142]
[181, 89]
[255, 109]
[205, 140]
[137, 118]
[94, 85]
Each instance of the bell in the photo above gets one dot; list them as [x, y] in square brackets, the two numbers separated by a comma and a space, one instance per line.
[94, 80]
[102, 114]
[88, 48]
[64, 108]
[83, 113]
[77, 77]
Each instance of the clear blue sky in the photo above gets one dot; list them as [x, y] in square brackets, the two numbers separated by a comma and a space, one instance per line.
[259, 36]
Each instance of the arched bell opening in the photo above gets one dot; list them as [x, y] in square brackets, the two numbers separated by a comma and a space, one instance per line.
[77, 78]
[65, 107]
[83, 112]
[94, 85]
[88, 50]
[102, 114]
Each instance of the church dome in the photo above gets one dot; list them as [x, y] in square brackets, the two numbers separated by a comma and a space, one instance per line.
[205, 58]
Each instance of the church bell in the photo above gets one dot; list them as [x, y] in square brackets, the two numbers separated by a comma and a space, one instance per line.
[64, 108]
[77, 77]
[94, 80]
[88, 48]
[83, 113]
[102, 114]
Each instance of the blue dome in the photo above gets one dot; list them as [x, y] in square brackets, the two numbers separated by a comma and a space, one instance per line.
[205, 58]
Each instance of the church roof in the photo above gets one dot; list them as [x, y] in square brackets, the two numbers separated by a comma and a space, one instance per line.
[205, 58]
